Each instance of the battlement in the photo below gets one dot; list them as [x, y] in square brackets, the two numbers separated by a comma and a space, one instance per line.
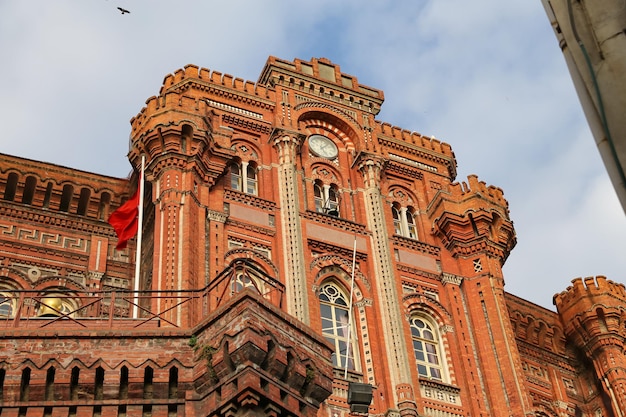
[463, 189]
[588, 288]
[415, 138]
[191, 71]
[169, 95]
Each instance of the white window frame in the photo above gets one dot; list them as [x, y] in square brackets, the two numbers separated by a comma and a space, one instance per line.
[427, 349]
[326, 198]
[334, 315]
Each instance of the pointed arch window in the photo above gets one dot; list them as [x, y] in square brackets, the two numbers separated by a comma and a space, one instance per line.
[247, 276]
[335, 310]
[242, 280]
[404, 221]
[426, 349]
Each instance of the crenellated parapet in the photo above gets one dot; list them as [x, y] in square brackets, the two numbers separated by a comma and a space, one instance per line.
[187, 123]
[593, 309]
[593, 314]
[413, 149]
[199, 83]
[473, 218]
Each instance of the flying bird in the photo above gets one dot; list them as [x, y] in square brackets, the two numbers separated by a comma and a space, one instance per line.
[123, 10]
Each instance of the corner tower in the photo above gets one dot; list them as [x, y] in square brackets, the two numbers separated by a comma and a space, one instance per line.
[187, 149]
[593, 316]
[471, 221]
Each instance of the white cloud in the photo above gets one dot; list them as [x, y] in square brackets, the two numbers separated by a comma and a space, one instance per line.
[486, 77]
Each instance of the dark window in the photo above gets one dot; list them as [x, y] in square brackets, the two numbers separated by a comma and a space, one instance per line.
[11, 187]
[29, 190]
[66, 197]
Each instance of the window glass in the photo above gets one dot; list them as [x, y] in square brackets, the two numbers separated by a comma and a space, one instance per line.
[397, 223]
[251, 180]
[410, 220]
[6, 306]
[426, 349]
[318, 192]
[334, 311]
[235, 177]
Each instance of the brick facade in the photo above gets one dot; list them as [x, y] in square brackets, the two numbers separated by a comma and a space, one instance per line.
[266, 204]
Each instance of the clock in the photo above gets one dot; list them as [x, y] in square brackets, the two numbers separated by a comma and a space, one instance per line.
[322, 146]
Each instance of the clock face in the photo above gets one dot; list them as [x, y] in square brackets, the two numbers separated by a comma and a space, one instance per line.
[322, 146]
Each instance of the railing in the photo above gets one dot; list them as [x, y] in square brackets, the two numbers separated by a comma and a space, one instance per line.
[21, 309]
[125, 309]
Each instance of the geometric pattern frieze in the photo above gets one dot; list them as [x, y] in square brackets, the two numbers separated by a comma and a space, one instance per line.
[44, 238]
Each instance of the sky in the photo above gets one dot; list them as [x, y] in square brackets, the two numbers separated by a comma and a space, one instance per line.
[485, 76]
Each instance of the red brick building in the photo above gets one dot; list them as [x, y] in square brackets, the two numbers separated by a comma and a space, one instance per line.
[266, 205]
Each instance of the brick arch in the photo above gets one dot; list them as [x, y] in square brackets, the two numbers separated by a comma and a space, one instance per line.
[326, 172]
[15, 280]
[58, 283]
[245, 149]
[419, 303]
[181, 123]
[265, 264]
[329, 264]
[402, 195]
[321, 123]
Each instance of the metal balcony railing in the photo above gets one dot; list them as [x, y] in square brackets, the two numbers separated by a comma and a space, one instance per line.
[122, 309]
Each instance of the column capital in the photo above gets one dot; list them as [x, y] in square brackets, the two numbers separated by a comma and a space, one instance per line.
[288, 143]
[371, 166]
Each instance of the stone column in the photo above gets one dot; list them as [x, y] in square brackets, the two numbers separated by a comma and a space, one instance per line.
[390, 310]
[287, 144]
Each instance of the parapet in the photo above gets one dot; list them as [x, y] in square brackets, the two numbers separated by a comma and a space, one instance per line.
[473, 186]
[590, 288]
[225, 84]
[415, 138]
[319, 69]
[191, 71]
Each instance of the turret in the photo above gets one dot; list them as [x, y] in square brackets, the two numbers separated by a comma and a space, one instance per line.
[473, 218]
[472, 222]
[187, 150]
[593, 316]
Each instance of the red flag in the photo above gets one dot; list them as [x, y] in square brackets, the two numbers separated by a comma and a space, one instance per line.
[124, 220]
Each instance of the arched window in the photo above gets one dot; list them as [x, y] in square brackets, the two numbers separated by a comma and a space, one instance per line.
[326, 198]
[103, 207]
[243, 177]
[246, 275]
[404, 221]
[10, 187]
[29, 190]
[83, 202]
[318, 193]
[242, 280]
[66, 197]
[410, 222]
[251, 180]
[6, 305]
[397, 220]
[235, 177]
[426, 349]
[334, 310]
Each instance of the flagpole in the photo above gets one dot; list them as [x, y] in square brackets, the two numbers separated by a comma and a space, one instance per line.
[345, 374]
[139, 233]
